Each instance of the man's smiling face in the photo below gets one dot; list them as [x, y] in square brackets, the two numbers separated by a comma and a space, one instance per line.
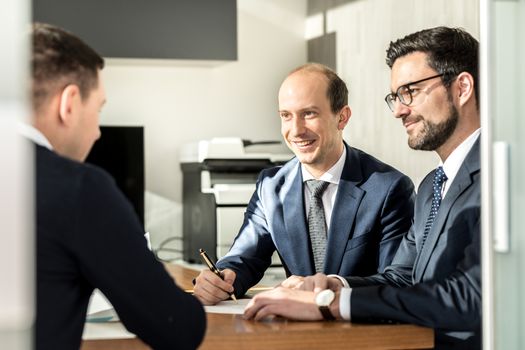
[309, 126]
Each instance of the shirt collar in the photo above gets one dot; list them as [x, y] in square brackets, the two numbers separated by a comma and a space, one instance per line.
[34, 135]
[455, 159]
[332, 175]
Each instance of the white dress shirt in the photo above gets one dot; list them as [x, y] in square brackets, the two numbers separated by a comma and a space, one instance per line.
[455, 159]
[34, 135]
[450, 167]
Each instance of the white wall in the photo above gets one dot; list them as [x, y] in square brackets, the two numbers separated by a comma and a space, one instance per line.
[17, 291]
[179, 102]
[364, 30]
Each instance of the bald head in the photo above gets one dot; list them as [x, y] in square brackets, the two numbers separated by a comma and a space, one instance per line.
[336, 90]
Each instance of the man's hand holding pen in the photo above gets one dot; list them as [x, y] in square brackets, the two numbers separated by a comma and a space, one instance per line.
[210, 288]
[212, 285]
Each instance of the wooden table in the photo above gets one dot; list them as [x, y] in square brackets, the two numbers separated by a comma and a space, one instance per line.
[232, 332]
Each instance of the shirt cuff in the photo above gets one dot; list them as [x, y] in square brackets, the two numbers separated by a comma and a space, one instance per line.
[343, 280]
[344, 303]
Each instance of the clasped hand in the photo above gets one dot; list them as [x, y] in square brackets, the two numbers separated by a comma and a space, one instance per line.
[315, 283]
[293, 299]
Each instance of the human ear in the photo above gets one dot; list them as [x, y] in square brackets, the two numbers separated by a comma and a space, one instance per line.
[465, 87]
[344, 116]
[69, 98]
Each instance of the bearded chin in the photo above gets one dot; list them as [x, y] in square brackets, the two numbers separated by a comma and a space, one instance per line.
[434, 135]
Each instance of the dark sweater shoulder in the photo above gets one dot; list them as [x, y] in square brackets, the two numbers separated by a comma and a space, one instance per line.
[65, 171]
[78, 193]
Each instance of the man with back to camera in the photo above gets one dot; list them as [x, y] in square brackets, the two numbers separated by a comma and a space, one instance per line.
[88, 235]
[331, 209]
[434, 279]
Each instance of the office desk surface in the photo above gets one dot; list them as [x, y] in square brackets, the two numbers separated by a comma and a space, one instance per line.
[226, 332]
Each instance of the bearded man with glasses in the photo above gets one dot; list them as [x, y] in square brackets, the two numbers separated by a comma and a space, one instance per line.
[435, 277]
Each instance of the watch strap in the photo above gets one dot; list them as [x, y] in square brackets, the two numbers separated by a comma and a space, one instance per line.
[325, 311]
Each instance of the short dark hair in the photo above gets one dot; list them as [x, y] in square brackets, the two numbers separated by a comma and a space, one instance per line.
[450, 51]
[337, 92]
[59, 58]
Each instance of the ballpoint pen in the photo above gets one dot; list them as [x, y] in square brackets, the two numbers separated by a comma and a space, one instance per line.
[213, 268]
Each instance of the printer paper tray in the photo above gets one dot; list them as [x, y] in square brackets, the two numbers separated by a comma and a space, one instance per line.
[233, 194]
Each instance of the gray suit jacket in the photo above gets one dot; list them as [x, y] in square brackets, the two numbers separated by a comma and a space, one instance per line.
[372, 211]
[437, 285]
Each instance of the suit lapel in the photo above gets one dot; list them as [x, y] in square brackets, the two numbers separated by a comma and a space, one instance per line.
[344, 212]
[295, 223]
[462, 181]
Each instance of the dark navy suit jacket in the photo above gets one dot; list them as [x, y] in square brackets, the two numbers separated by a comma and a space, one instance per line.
[372, 210]
[88, 236]
[437, 284]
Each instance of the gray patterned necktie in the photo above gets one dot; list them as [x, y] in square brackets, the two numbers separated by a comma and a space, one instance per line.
[317, 222]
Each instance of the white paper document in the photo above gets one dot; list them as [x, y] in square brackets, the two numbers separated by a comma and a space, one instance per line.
[100, 309]
[106, 330]
[228, 307]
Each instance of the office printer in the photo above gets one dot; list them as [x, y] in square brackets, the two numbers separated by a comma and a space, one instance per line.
[219, 178]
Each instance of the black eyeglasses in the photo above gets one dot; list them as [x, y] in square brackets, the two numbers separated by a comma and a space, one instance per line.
[404, 93]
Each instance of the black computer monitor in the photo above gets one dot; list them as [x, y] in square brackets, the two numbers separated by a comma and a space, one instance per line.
[120, 151]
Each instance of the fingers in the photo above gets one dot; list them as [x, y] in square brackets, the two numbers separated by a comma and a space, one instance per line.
[315, 283]
[229, 276]
[251, 309]
[293, 282]
[210, 288]
[290, 303]
[265, 312]
[334, 284]
[260, 306]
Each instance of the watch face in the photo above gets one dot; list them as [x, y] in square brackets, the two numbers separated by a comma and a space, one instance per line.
[325, 297]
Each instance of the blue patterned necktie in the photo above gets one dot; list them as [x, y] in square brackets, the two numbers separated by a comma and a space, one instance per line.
[437, 184]
[317, 222]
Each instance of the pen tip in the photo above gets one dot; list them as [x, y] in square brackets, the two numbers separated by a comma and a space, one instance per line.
[201, 250]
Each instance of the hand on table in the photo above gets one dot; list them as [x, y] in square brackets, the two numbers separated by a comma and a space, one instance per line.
[293, 282]
[319, 282]
[290, 303]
